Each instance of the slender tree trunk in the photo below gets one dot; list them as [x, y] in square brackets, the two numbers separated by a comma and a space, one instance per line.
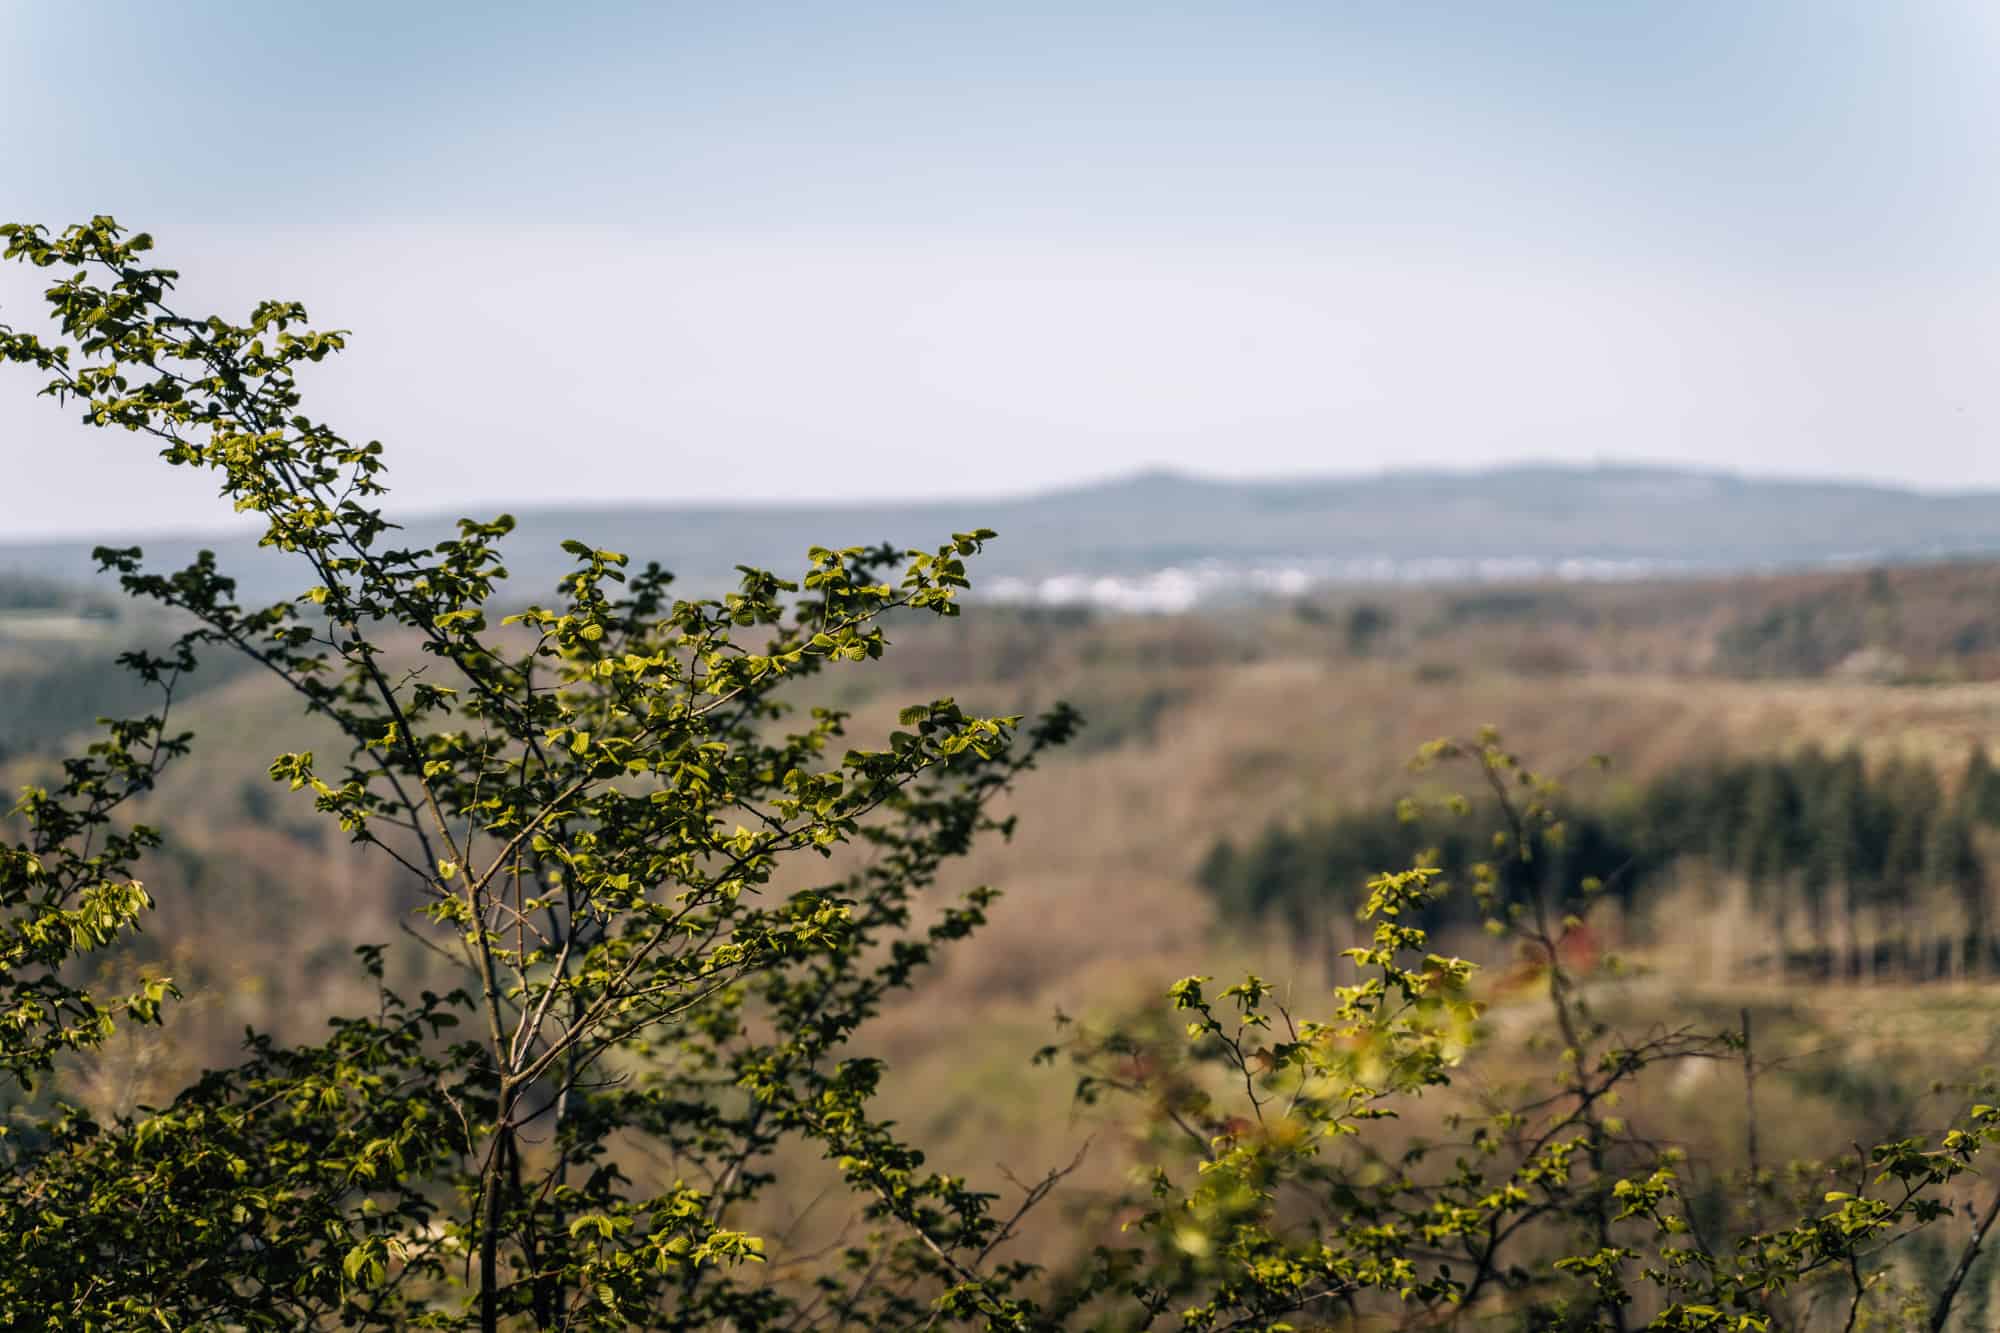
[494, 1177]
[489, 1258]
[1750, 1126]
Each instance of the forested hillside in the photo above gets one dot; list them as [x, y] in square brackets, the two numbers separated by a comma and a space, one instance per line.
[1241, 779]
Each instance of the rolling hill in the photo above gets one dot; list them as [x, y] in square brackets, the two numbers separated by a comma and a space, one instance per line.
[1168, 539]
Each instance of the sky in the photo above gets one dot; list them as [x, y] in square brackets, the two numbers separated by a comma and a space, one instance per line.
[737, 252]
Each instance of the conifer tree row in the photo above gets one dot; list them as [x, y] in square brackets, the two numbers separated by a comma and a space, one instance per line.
[1850, 871]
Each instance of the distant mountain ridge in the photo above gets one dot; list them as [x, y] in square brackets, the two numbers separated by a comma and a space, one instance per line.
[1211, 537]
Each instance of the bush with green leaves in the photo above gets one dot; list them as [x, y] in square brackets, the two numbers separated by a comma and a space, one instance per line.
[1546, 1197]
[667, 904]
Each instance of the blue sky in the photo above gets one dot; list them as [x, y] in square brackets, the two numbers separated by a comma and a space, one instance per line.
[702, 252]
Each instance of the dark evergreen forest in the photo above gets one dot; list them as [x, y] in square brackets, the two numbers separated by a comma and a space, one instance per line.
[1849, 870]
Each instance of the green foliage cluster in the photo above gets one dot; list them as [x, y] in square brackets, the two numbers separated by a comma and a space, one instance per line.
[671, 906]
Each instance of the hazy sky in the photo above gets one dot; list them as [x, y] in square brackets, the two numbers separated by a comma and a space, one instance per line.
[807, 251]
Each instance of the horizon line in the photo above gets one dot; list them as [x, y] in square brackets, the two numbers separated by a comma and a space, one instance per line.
[1102, 482]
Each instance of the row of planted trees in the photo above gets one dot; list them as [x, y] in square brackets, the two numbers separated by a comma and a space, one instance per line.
[657, 960]
[1844, 870]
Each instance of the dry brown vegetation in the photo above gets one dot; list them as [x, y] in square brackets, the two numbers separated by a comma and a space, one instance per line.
[1202, 727]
